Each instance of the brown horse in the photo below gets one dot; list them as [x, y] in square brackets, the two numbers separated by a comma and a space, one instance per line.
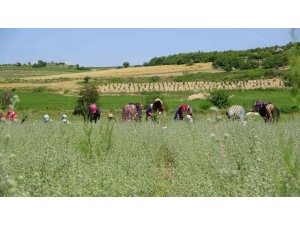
[132, 112]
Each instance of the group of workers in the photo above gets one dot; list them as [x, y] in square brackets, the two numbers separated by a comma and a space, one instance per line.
[47, 119]
[132, 111]
[268, 111]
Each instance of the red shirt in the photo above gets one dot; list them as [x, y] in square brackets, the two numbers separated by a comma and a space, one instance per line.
[10, 115]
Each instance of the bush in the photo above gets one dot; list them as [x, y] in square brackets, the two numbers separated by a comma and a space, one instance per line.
[5, 98]
[89, 94]
[219, 98]
[40, 63]
[126, 64]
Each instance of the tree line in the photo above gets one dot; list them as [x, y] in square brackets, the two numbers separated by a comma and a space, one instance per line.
[268, 57]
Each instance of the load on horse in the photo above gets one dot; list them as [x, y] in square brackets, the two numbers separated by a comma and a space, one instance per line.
[154, 109]
[267, 111]
[184, 111]
[93, 113]
[132, 112]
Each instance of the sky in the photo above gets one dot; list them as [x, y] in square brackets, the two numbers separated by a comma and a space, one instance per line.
[112, 47]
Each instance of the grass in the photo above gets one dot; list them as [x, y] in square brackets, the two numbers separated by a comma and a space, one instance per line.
[36, 104]
[123, 159]
[15, 72]
[136, 71]
[231, 76]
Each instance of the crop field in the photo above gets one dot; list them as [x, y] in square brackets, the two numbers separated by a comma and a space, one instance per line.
[213, 157]
[136, 71]
[15, 72]
[55, 104]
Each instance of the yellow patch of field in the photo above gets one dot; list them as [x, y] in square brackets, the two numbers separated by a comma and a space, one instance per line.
[70, 85]
[135, 71]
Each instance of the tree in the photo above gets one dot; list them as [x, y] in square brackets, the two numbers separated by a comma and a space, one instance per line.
[89, 95]
[126, 64]
[40, 63]
[219, 98]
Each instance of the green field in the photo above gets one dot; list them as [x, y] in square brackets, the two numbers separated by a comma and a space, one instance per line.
[43, 102]
[15, 72]
[125, 159]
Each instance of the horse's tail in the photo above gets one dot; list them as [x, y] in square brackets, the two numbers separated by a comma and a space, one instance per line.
[276, 114]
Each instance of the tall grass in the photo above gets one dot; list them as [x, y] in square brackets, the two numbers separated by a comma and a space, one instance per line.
[128, 159]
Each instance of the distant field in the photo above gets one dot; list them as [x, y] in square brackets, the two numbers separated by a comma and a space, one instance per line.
[136, 71]
[15, 72]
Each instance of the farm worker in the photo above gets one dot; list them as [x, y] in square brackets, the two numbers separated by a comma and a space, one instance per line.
[149, 111]
[11, 115]
[64, 119]
[46, 118]
[110, 116]
[154, 108]
[267, 111]
[94, 113]
[182, 110]
[236, 112]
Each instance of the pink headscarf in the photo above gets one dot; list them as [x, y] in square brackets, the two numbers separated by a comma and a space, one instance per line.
[93, 108]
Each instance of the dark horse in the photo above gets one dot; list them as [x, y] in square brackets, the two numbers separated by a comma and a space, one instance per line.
[267, 111]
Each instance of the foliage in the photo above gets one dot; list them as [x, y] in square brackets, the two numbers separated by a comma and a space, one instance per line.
[275, 61]
[6, 98]
[88, 94]
[126, 64]
[40, 63]
[219, 98]
[86, 79]
[115, 159]
[269, 57]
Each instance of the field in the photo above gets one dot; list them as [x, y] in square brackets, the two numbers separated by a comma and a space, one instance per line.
[211, 157]
[208, 158]
[37, 103]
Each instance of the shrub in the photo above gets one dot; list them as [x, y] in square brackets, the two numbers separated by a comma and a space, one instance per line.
[40, 63]
[219, 98]
[86, 79]
[5, 98]
[126, 64]
[89, 94]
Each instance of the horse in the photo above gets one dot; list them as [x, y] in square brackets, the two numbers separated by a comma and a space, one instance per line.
[267, 111]
[132, 112]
